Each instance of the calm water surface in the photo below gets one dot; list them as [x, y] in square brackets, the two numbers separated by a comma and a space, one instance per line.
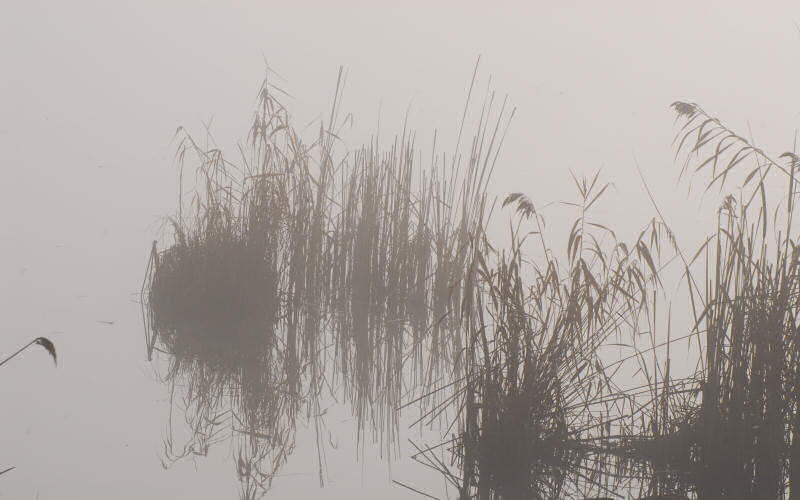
[91, 96]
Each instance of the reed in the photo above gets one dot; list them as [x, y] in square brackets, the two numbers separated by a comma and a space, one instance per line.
[743, 433]
[310, 273]
[46, 343]
[532, 421]
[306, 271]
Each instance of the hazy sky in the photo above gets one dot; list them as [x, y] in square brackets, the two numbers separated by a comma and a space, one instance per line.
[91, 94]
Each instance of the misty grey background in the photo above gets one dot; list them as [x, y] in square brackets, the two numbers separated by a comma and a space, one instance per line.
[91, 94]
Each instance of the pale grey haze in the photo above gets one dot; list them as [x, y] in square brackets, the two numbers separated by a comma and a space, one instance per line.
[91, 94]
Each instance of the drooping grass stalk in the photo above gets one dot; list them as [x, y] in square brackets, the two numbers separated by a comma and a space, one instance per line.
[42, 341]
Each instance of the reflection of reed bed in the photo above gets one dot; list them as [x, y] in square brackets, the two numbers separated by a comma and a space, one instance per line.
[253, 408]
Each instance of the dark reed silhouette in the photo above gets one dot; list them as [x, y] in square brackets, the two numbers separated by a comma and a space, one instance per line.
[307, 272]
[297, 278]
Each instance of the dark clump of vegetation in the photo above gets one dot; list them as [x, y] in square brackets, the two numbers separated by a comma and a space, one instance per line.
[303, 272]
[726, 431]
[226, 277]
[740, 437]
[534, 420]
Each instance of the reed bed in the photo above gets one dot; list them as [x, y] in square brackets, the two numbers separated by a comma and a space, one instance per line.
[303, 271]
[310, 273]
[568, 423]
[741, 434]
[536, 412]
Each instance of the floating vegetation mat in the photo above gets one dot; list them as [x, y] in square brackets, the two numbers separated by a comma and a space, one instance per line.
[305, 271]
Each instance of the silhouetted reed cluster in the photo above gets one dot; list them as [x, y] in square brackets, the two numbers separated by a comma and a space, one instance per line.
[306, 270]
[309, 272]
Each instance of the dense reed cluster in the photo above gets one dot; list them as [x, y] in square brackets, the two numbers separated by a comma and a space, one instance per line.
[305, 271]
[738, 438]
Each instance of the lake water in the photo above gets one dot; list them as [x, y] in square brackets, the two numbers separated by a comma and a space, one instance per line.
[91, 96]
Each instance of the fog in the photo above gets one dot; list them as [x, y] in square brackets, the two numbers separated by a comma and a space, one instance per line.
[91, 95]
